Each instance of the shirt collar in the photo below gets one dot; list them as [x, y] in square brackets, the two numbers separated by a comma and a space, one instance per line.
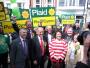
[21, 38]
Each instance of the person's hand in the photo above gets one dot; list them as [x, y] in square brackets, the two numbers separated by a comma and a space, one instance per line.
[35, 61]
[56, 58]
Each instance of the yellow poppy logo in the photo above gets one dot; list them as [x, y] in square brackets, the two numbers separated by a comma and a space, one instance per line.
[25, 14]
[51, 12]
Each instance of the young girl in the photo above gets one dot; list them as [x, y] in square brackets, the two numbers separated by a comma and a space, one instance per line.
[58, 50]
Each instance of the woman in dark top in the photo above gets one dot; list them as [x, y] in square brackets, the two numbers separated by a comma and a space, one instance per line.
[84, 39]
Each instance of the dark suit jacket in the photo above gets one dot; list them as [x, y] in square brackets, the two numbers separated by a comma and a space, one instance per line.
[17, 55]
[30, 44]
[37, 51]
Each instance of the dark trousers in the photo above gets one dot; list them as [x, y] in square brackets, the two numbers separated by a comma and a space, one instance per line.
[58, 64]
[49, 63]
[40, 63]
[4, 60]
[27, 63]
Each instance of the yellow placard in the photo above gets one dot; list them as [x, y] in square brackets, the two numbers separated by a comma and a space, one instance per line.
[21, 23]
[7, 27]
[45, 21]
[68, 21]
[7, 18]
[2, 15]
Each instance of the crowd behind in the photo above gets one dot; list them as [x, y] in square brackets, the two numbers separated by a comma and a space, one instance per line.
[31, 47]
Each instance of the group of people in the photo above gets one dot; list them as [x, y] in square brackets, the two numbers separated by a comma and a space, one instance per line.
[31, 48]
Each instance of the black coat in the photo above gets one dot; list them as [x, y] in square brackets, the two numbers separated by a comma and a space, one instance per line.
[36, 45]
[81, 65]
[17, 54]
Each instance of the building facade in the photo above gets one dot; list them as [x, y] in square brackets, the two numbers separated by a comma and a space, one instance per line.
[75, 7]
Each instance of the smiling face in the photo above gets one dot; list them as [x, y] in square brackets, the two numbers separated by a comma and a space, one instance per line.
[69, 31]
[58, 35]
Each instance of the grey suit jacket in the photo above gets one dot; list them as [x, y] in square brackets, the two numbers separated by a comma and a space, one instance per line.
[17, 55]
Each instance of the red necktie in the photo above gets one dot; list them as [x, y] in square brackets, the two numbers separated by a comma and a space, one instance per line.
[41, 46]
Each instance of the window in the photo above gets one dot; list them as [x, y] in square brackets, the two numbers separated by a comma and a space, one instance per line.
[61, 2]
[8, 5]
[70, 2]
[37, 1]
[82, 2]
[19, 5]
[49, 5]
[37, 5]
[73, 3]
[89, 2]
[49, 0]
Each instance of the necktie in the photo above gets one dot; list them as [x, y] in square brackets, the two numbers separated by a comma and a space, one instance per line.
[29, 34]
[25, 47]
[41, 46]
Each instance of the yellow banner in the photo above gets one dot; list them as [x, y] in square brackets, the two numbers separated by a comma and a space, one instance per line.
[45, 21]
[7, 27]
[21, 23]
[2, 15]
[68, 21]
[7, 18]
[2, 11]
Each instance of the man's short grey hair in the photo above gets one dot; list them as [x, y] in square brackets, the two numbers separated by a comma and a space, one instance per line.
[22, 29]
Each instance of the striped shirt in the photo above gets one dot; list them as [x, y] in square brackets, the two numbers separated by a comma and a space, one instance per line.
[57, 49]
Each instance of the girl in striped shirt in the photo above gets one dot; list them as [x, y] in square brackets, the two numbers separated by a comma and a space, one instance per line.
[58, 50]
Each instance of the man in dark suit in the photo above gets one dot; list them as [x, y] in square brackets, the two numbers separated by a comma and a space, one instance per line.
[19, 51]
[39, 43]
[30, 34]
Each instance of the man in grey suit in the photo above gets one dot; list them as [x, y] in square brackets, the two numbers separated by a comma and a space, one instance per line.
[19, 51]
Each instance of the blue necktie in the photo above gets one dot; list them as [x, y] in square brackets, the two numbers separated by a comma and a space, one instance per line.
[25, 47]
